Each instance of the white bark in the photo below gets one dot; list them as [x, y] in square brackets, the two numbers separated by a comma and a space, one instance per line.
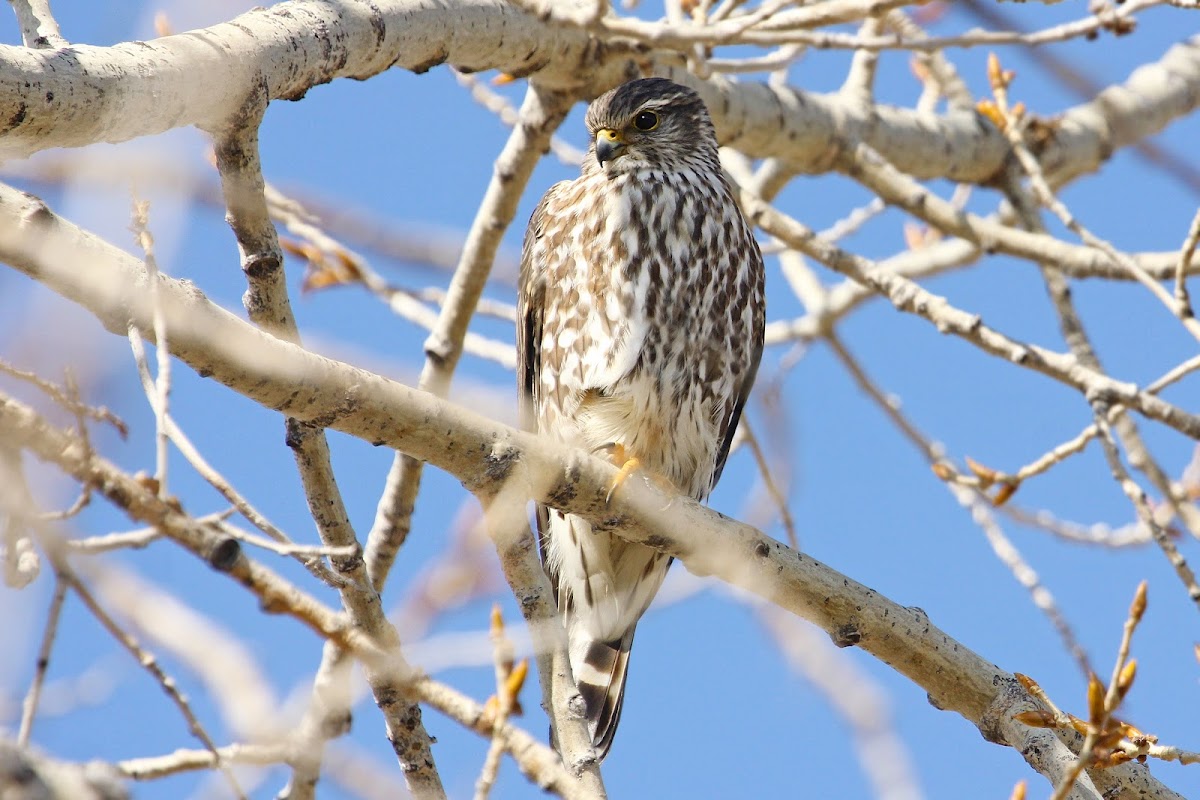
[84, 95]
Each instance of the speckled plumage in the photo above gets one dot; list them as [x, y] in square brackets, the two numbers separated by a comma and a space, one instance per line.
[640, 323]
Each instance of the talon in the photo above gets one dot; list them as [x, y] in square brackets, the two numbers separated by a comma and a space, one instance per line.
[630, 466]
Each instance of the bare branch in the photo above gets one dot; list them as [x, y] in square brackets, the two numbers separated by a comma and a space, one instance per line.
[29, 707]
[267, 303]
[39, 29]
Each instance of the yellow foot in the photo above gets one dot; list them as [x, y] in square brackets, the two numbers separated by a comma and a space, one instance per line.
[628, 463]
[630, 466]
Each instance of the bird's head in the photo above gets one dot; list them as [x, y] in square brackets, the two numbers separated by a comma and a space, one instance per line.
[652, 123]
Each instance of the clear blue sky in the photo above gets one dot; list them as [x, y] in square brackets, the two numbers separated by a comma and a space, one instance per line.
[712, 709]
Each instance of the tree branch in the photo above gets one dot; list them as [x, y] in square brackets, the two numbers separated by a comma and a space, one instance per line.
[266, 301]
[486, 456]
[84, 95]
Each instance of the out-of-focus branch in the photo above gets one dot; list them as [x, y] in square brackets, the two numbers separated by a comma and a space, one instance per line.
[32, 697]
[29, 773]
[22, 427]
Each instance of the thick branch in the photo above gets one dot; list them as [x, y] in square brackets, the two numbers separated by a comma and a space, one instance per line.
[486, 456]
[83, 95]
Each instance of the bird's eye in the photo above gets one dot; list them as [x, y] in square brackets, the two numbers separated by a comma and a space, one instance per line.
[646, 121]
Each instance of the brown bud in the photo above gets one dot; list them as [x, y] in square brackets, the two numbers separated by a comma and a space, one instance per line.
[1138, 607]
[987, 476]
[516, 680]
[1095, 699]
[1006, 491]
[945, 472]
[349, 264]
[147, 482]
[1036, 719]
[989, 109]
[994, 72]
[1125, 679]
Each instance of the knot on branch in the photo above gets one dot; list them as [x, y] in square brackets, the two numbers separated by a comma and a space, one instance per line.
[1010, 699]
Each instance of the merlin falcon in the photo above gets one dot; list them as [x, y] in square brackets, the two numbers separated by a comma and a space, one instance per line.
[639, 332]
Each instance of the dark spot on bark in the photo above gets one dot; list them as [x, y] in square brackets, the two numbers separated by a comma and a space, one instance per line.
[525, 72]
[762, 549]
[118, 495]
[436, 60]
[657, 542]
[224, 554]
[16, 119]
[336, 725]
[846, 635]
[349, 563]
[498, 465]
[261, 265]
[293, 433]
[377, 24]
[566, 491]
[49, 97]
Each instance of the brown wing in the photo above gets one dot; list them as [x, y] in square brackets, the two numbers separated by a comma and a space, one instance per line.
[531, 306]
[756, 295]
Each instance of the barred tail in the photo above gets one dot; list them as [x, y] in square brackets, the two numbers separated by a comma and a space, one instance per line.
[600, 670]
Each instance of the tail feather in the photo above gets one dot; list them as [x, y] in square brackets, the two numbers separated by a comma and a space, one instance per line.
[600, 674]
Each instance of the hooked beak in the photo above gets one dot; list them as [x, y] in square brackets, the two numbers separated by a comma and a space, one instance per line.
[609, 145]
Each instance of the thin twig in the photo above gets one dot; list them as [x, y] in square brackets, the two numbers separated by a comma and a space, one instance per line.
[764, 469]
[975, 502]
[1014, 130]
[505, 699]
[30, 704]
[1142, 506]
[1185, 257]
[148, 662]
[160, 397]
[1100, 709]
[64, 398]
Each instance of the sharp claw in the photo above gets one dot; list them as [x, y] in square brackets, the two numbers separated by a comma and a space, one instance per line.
[627, 469]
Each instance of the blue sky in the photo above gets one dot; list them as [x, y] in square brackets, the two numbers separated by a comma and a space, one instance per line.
[713, 709]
